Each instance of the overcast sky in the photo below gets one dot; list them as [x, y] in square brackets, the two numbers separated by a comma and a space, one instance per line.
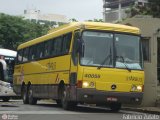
[78, 9]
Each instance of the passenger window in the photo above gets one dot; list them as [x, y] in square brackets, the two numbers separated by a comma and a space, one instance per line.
[58, 45]
[32, 53]
[47, 48]
[66, 43]
[53, 48]
[25, 54]
[40, 50]
[19, 56]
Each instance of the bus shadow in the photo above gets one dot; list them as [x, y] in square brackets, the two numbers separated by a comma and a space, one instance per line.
[8, 106]
[90, 109]
[81, 108]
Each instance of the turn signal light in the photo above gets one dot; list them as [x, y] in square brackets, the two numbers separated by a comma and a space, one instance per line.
[79, 84]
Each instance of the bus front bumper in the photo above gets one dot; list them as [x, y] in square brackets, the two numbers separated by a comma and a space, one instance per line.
[94, 96]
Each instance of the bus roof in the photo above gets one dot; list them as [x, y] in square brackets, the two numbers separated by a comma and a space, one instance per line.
[7, 52]
[84, 25]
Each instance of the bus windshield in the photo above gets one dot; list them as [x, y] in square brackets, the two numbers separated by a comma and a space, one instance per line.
[111, 50]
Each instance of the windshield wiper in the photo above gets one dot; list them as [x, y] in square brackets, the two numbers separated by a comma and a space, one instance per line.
[101, 65]
[124, 63]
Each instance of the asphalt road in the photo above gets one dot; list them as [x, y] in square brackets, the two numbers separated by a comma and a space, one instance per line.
[48, 110]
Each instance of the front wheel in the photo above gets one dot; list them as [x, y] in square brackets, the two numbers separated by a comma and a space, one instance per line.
[66, 104]
[25, 95]
[32, 100]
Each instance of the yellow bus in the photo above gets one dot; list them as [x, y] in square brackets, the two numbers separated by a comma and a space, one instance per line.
[82, 62]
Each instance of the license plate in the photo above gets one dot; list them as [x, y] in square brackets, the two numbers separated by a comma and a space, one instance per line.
[112, 99]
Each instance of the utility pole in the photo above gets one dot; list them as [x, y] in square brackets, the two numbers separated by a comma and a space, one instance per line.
[119, 11]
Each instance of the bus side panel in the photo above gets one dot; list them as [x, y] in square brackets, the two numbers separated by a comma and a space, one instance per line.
[44, 75]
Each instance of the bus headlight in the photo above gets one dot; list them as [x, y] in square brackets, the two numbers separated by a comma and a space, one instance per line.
[85, 84]
[88, 84]
[136, 88]
[139, 88]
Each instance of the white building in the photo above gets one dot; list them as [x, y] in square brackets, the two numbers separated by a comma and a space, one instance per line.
[36, 15]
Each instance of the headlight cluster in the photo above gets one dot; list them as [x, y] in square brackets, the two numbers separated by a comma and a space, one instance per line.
[137, 88]
[88, 84]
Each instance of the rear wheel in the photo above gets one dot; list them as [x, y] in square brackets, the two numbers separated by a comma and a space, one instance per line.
[5, 99]
[115, 107]
[32, 100]
[25, 95]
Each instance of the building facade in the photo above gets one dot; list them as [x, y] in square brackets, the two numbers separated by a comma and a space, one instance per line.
[37, 16]
[115, 10]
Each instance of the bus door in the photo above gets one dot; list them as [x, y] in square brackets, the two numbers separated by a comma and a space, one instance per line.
[74, 65]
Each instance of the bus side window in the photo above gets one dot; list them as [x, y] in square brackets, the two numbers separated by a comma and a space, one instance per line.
[32, 53]
[47, 48]
[75, 47]
[19, 56]
[66, 43]
[58, 46]
[40, 50]
[53, 46]
[25, 54]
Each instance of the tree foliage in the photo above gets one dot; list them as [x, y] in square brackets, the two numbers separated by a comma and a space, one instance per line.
[14, 30]
[152, 8]
[73, 20]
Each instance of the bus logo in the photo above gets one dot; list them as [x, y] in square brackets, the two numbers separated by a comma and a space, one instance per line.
[113, 87]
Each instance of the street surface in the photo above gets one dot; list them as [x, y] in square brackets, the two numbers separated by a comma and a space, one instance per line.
[48, 110]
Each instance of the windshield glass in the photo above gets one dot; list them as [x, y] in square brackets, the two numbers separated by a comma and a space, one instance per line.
[128, 51]
[98, 46]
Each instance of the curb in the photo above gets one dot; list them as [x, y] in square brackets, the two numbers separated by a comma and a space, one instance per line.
[143, 110]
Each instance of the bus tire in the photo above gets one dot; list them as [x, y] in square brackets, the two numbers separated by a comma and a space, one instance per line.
[25, 95]
[31, 99]
[66, 104]
[5, 99]
[115, 107]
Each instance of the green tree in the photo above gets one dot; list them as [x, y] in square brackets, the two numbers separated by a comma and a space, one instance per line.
[152, 8]
[14, 30]
[73, 20]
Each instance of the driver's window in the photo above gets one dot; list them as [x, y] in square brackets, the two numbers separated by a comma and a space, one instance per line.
[75, 47]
